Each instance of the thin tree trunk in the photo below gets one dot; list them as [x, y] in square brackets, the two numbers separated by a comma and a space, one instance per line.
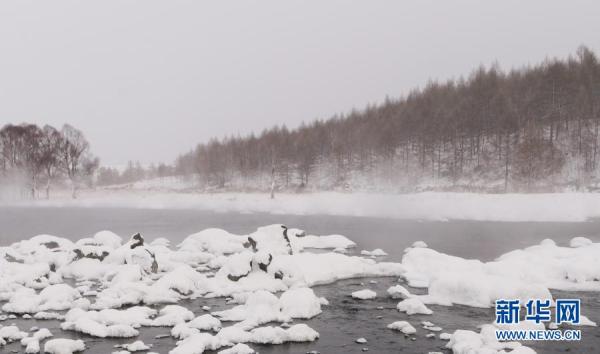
[33, 186]
[272, 182]
[506, 162]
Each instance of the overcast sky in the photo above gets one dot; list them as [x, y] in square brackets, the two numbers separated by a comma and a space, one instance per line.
[146, 80]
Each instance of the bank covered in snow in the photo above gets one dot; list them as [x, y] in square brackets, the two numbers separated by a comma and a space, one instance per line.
[437, 206]
[105, 287]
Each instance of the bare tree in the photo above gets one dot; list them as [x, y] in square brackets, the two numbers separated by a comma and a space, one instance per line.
[472, 130]
[72, 152]
[12, 137]
[32, 154]
[51, 144]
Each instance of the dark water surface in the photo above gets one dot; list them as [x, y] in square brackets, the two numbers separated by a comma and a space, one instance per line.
[345, 319]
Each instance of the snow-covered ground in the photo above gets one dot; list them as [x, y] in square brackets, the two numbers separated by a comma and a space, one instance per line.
[107, 288]
[574, 207]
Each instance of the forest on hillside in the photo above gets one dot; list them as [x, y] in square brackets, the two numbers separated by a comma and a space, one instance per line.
[530, 129]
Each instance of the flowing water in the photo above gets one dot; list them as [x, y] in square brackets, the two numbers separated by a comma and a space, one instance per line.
[345, 319]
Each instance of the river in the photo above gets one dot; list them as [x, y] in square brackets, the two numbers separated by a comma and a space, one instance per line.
[345, 319]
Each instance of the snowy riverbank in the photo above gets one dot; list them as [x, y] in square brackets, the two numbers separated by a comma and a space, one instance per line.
[573, 207]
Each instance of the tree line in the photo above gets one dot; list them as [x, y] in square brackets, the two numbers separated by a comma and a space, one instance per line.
[134, 171]
[529, 129]
[33, 156]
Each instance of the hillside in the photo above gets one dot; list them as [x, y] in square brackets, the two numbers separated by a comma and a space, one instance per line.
[527, 130]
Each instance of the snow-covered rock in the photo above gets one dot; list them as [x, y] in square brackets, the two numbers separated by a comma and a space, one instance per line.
[239, 348]
[378, 252]
[413, 306]
[580, 242]
[402, 326]
[398, 292]
[171, 315]
[205, 322]
[524, 274]
[466, 342]
[300, 303]
[419, 244]
[10, 334]
[136, 346]
[52, 298]
[32, 344]
[365, 294]
[64, 346]
[324, 242]
[276, 269]
[214, 242]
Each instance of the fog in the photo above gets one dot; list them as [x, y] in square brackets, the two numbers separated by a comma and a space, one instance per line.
[147, 80]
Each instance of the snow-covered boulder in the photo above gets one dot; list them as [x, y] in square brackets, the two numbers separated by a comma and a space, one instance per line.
[378, 252]
[63, 346]
[365, 294]
[402, 326]
[300, 303]
[580, 242]
[205, 322]
[398, 292]
[413, 306]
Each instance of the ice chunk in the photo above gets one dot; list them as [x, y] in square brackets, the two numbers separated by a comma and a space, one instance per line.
[402, 326]
[398, 292]
[445, 336]
[205, 322]
[365, 294]
[277, 335]
[182, 331]
[465, 342]
[338, 242]
[108, 239]
[97, 329]
[10, 334]
[413, 306]
[300, 303]
[136, 346]
[171, 315]
[197, 344]
[54, 297]
[378, 252]
[260, 307]
[419, 244]
[64, 346]
[580, 242]
[213, 241]
[239, 348]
